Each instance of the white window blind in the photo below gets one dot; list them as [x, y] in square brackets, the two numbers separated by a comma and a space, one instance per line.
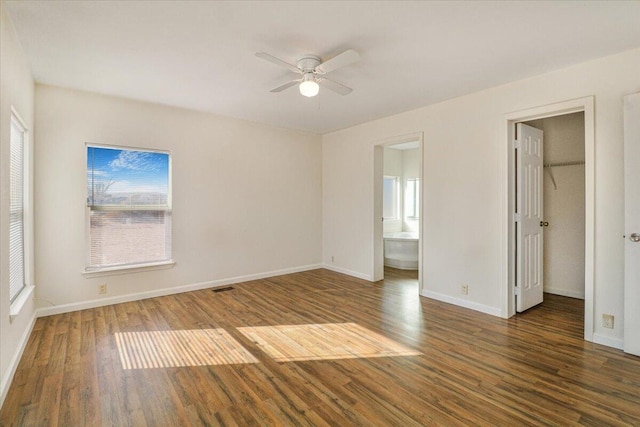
[129, 201]
[390, 197]
[412, 199]
[16, 208]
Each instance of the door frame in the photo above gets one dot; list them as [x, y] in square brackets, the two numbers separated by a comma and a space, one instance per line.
[631, 174]
[585, 105]
[377, 272]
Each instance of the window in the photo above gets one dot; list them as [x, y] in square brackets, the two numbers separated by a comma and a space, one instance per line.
[412, 199]
[390, 195]
[17, 196]
[129, 207]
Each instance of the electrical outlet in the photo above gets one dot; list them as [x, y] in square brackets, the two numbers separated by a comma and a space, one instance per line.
[464, 289]
[332, 258]
[607, 321]
[102, 288]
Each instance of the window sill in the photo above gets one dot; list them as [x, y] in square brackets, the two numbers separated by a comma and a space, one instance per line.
[18, 304]
[127, 269]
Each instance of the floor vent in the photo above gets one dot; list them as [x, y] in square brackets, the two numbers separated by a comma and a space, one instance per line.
[228, 288]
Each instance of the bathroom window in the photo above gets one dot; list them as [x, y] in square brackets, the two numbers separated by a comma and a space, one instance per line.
[129, 208]
[391, 194]
[18, 200]
[412, 199]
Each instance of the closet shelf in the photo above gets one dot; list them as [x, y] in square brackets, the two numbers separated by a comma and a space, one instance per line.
[553, 165]
[574, 163]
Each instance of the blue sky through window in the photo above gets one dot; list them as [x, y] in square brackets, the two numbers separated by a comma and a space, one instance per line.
[118, 176]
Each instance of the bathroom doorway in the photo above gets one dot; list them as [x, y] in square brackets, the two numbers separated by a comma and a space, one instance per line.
[398, 210]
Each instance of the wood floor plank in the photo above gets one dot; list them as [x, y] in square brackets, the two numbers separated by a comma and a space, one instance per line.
[472, 369]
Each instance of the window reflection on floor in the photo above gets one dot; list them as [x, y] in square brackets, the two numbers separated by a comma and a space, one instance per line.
[283, 343]
[287, 343]
[166, 349]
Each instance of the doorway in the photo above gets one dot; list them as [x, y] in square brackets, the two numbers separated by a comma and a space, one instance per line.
[581, 281]
[397, 233]
[563, 204]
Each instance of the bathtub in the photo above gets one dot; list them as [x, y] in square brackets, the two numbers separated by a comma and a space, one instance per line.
[401, 250]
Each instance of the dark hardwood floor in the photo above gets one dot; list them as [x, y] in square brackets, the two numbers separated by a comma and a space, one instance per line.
[474, 369]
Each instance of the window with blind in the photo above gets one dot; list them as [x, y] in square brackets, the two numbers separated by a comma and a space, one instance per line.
[412, 199]
[390, 196]
[16, 208]
[129, 207]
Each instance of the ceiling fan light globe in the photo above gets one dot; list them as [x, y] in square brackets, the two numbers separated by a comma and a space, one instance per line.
[309, 88]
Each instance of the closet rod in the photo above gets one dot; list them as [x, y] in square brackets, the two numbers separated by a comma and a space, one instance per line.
[574, 163]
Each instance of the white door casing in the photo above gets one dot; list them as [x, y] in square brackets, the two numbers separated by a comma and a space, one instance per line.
[529, 204]
[378, 243]
[377, 271]
[632, 224]
[507, 284]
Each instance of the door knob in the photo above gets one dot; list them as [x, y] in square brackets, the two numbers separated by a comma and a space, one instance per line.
[544, 224]
[635, 237]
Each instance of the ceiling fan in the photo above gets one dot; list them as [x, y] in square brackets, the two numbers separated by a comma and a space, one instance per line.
[313, 72]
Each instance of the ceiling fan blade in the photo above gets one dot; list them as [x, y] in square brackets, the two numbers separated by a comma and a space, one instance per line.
[278, 61]
[334, 86]
[285, 86]
[345, 58]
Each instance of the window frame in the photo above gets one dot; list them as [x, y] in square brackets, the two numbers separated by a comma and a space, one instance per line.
[90, 271]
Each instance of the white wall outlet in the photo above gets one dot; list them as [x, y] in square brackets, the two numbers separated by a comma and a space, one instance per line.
[464, 289]
[332, 258]
[607, 321]
[102, 288]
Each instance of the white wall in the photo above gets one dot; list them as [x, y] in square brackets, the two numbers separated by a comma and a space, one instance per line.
[246, 197]
[392, 166]
[564, 206]
[464, 189]
[16, 89]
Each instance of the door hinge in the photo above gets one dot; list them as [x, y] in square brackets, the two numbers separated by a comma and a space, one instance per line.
[516, 143]
[516, 217]
[516, 291]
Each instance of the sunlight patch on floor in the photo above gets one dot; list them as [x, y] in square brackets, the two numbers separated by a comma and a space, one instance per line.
[289, 343]
[167, 349]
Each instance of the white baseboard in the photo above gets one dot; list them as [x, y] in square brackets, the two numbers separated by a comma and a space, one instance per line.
[347, 272]
[494, 311]
[66, 308]
[608, 341]
[564, 292]
[15, 360]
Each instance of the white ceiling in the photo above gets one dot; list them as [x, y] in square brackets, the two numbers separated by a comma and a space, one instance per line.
[200, 55]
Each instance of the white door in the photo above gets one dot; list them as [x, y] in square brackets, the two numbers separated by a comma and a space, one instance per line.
[632, 224]
[529, 167]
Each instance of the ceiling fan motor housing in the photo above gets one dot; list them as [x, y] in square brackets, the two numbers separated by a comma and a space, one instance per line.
[307, 64]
